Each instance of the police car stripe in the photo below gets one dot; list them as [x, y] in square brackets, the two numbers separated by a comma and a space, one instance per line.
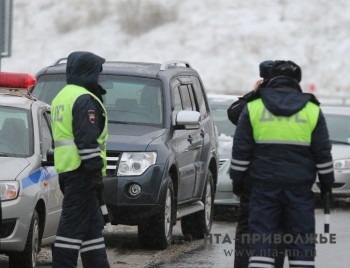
[43, 174]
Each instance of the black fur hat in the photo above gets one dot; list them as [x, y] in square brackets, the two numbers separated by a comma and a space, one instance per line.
[269, 69]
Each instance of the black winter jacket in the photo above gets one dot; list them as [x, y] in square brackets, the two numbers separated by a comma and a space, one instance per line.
[83, 69]
[282, 165]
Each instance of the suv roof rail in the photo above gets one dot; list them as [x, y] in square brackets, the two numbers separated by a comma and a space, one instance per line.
[175, 63]
[61, 60]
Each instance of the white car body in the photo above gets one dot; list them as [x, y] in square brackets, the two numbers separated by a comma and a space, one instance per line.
[219, 105]
[338, 123]
[31, 217]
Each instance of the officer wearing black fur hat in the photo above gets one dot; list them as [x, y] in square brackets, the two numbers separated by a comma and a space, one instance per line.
[280, 144]
[241, 257]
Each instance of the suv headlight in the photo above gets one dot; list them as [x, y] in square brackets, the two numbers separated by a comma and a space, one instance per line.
[9, 190]
[136, 163]
[342, 164]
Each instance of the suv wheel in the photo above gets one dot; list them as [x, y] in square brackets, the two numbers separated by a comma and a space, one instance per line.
[158, 232]
[29, 256]
[199, 224]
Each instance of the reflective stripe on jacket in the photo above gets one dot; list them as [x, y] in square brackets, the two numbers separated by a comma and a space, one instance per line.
[67, 156]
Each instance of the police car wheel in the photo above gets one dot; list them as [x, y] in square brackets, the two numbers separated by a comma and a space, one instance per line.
[29, 256]
[199, 224]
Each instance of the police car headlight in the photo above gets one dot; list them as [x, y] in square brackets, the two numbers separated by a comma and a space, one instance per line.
[9, 190]
[342, 164]
[136, 163]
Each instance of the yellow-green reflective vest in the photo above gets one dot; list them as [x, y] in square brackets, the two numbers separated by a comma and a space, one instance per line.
[296, 129]
[66, 153]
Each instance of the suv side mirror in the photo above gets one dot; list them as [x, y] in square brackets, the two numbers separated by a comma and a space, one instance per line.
[49, 158]
[188, 119]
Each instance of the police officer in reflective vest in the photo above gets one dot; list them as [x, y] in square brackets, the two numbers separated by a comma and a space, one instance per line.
[282, 142]
[242, 253]
[79, 126]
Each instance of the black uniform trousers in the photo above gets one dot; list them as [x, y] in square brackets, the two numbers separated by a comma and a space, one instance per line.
[242, 248]
[81, 224]
[271, 208]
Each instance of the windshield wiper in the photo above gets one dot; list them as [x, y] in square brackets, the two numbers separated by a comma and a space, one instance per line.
[4, 155]
[339, 142]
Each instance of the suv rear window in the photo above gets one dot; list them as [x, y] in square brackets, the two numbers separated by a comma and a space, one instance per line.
[130, 100]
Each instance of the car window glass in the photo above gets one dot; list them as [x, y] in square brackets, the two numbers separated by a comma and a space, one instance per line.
[177, 101]
[45, 134]
[185, 97]
[199, 94]
[14, 131]
[133, 100]
[48, 87]
[193, 98]
[219, 113]
[130, 100]
[338, 127]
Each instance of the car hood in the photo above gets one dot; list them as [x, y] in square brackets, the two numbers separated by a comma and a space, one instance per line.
[340, 151]
[122, 137]
[12, 167]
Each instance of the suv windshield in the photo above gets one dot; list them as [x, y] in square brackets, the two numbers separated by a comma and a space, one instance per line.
[129, 100]
[14, 132]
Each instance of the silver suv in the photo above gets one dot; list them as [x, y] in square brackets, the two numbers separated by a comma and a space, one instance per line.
[162, 147]
[29, 191]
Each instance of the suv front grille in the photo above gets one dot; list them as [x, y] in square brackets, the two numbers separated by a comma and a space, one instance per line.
[112, 162]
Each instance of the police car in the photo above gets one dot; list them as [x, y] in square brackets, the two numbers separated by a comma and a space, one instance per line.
[30, 195]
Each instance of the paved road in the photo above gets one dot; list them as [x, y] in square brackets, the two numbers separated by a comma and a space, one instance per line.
[124, 250]
[219, 255]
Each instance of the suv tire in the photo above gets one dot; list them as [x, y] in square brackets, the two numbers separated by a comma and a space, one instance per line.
[199, 224]
[158, 232]
[29, 256]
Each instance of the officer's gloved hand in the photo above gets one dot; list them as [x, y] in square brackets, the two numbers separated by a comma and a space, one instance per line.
[96, 181]
[324, 188]
[237, 187]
